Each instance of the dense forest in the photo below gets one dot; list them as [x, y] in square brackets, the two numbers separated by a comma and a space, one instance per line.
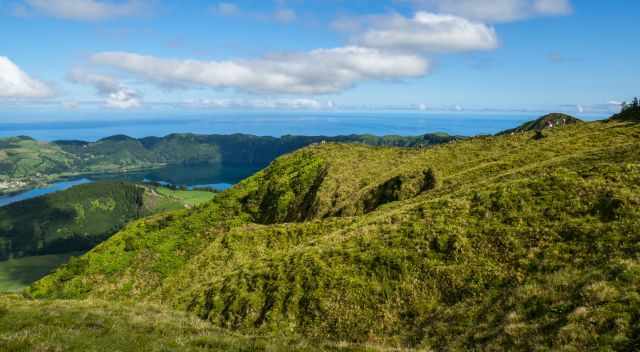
[78, 218]
[491, 243]
[629, 111]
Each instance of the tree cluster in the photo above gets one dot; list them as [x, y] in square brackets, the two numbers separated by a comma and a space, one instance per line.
[634, 105]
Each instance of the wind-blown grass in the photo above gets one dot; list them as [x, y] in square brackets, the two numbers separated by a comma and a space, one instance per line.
[98, 326]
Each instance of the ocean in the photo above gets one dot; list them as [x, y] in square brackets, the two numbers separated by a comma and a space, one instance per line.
[274, 124]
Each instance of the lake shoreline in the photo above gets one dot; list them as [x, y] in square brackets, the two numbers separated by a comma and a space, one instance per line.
[217, 176]
[35, 183]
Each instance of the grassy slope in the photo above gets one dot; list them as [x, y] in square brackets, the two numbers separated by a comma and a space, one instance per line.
[95, 325]
[524, 244]
[21, 156]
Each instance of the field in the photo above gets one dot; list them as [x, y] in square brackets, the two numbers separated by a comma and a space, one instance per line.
[190, 198]
[17, 274]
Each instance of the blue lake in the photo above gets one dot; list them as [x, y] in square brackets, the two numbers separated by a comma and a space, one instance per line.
[217, 177]
[37, 192]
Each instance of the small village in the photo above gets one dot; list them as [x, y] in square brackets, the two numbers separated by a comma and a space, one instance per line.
[8, 186]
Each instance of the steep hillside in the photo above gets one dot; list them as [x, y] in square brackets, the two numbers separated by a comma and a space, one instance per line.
[545, 122]
[496, 243]
[80, 217]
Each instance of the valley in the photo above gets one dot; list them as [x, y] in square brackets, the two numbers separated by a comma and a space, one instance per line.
[38, 235]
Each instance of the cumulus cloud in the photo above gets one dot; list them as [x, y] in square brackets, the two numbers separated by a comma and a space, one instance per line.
[87, 10]
[428, 32]
[124, 99]
[115, 94]
[293, 104]
[320, 71]
[15, 83]
[497, 10]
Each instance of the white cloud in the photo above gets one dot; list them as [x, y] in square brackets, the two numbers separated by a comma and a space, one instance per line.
[428, 32]
[87, 10]
[226, 9]
[292, 104]
[319, 71]
[553, 7]
[615, 105]
[285, 15]
[15, 83]
[497, 10]
[124, 99]
[70, 105]
[116, 95]
[281, 14]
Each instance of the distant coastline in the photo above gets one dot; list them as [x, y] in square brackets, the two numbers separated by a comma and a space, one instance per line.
[27, 163]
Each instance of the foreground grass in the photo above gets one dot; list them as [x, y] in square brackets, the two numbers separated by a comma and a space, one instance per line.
[17, 274]
[94, 325]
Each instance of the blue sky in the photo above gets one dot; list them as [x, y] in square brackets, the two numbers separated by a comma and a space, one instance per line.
[84, 57]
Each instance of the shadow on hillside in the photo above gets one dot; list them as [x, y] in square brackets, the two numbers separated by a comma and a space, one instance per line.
[22, 272]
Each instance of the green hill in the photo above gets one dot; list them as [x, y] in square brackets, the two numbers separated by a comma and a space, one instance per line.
[23, 156]
[83, 216]
[545, 122]
[492, 243]
[629, 112]
[25, 162]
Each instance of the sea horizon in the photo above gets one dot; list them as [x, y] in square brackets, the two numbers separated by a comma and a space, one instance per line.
[277, 124]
